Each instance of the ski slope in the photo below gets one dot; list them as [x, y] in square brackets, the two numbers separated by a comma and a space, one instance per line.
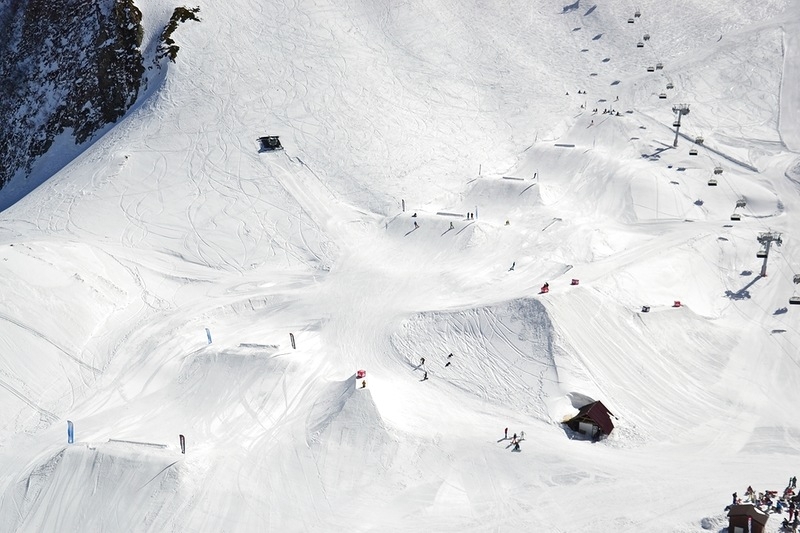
[173, 222]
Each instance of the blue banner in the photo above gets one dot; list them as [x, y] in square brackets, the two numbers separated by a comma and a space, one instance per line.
[70, 432]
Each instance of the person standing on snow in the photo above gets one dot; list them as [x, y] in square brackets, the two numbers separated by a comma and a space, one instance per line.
[506, 434]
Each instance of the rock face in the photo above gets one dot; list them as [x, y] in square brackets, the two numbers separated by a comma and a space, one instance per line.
[68, 65]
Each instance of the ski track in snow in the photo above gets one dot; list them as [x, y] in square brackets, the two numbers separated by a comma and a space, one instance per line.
[172, 223]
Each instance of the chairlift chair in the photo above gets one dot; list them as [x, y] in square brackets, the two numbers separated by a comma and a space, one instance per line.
[651, 69]
[630, 21]
[713, 183]
[699, 139]
[675, 124]
[761, 254]
[717, 170]
[659, 66]
[693, 151]
[741, 203]
[646, 37]
[794, 300]
[640, 44]
[663, 96]
[637, 14]
[796, 278]
[670, 85]
[736, 217]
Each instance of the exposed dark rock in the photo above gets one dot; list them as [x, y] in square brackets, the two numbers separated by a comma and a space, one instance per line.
[72, 64]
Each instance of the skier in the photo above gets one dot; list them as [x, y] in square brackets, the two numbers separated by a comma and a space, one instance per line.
[425, 376]
[416, 225]
[364, 384]
[521, 435]
[516, 446]
[447, 364]
[451, 355]
[513, 264]
[451, 226]
[734, 498]
[506, 433]
[421, 361]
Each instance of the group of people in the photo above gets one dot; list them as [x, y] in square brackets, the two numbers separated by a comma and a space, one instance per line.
[771, 502]
[425, 372]
[515, 440]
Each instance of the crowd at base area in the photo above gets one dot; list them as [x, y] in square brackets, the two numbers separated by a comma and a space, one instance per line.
[515, 440]
[769, 502]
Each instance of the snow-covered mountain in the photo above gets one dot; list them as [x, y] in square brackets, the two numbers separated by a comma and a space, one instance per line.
[442, 161]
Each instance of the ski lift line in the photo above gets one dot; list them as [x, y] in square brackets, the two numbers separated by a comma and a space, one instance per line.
[785, 324]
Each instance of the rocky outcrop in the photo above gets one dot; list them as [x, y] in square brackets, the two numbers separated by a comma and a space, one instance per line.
[69, 66]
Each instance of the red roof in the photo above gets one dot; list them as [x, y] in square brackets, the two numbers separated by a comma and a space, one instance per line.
[596, 413]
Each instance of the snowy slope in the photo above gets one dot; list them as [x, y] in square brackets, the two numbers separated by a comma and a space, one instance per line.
[173, 223]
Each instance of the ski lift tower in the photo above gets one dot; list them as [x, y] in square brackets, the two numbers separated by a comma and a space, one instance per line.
[679, 110]
[766, 239]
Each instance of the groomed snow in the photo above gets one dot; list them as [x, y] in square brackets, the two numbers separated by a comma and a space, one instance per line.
[173, 222]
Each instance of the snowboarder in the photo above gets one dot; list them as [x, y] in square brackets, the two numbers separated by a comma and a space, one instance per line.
[514, 438]
[513, 264]
[414, 215]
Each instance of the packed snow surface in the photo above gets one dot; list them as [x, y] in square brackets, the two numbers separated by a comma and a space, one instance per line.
[443, 159]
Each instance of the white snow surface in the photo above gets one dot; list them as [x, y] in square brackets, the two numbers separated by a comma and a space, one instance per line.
[173, 222]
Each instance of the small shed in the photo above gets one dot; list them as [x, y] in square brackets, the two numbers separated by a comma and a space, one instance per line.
[746, 518]
[593, 420]
[269, 143]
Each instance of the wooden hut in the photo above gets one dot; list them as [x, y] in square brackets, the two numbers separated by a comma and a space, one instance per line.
[593, 420]
[746, 518]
